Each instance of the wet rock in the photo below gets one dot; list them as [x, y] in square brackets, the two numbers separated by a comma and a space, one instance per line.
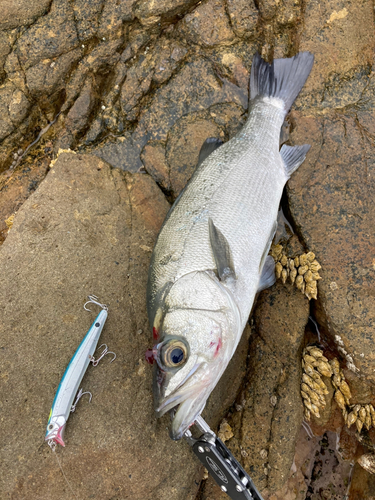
[48, 77]
[15, 190]
[77, 118]
[154, 161]
[51, 36]
[14, 107]
[87, 14]
[184, 143]
[156, 65]
[4, 51]
[243, 16]
[336, 200]
[208, 25]
[22, 12]
[340, 38]
[267, 9]
[273, 411]
[121, 152]
[87, 229]
[113, 15]
[288, 14]
[363, 484]
[150, 13]
[194, 88]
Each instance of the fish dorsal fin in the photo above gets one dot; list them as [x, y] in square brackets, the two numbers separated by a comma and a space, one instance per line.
[267, 278]
[221, 250]
[293, 156]
[208, 147]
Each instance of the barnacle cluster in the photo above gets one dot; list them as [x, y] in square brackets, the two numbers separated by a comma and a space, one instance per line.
[361, 415]
[342, 393]
[302, 270]
[313, 389]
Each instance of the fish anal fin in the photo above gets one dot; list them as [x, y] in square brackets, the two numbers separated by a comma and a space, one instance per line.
[208, 147]
[293, 157]
[221, 251]
[267, 278]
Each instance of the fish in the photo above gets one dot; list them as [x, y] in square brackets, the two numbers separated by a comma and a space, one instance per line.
[69, 384]
[211, 257]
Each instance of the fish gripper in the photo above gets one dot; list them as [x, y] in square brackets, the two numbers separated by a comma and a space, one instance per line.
[221, 464]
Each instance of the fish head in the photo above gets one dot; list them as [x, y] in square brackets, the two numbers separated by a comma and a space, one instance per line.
[55, 429]
[194, 349]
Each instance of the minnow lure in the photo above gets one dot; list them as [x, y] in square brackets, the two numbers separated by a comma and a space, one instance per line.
[68, 387]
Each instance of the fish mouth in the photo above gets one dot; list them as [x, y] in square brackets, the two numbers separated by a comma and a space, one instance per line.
[188, 399]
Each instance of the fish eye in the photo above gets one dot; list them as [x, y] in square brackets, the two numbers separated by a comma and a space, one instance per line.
[173, 353]
[50, 427]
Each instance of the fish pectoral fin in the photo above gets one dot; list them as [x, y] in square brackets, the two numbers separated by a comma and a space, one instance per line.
[222, 253]
[267, 278]
[293, 157]
[208, 147]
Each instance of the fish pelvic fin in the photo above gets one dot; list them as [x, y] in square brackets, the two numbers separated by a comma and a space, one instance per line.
[283, 79]
[293, 157]
[267, 278]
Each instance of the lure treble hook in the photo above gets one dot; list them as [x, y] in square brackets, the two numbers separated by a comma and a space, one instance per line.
[93, 299]
[95, 362]
[79, 395]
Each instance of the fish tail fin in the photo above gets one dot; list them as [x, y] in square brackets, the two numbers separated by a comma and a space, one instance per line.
[283, 79]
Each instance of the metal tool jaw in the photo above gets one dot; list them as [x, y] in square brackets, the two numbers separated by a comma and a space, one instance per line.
[221, 464]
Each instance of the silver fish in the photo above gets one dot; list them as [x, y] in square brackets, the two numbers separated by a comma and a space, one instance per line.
[210, 258]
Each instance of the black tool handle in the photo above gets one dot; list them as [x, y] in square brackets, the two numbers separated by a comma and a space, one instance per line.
[225, 469]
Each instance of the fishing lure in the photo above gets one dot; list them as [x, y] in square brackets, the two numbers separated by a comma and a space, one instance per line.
[62, 404]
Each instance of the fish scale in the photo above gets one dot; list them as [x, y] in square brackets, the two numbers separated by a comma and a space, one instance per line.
[211, 250]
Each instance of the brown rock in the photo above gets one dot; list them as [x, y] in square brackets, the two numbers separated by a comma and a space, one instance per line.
[54, 34]
[208, 24]
[194, 88]
[267, 9]
[14, 107]
[87, 15]
[363, 484]
[113, 15]
[150, 13]
[333, 227]
[5, 48]
[77, 118]
[157, 66]
[49, 76]
[15, 189]
[154, 161]
[345, 41]
[184, 143]
[243, 16]
[21, 12]
[87, 229]
[280, 318]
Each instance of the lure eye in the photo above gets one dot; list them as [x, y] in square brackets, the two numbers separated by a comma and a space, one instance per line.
[173, 353]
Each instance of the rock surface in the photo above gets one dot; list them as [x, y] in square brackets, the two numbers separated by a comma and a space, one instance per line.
[88, 229]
